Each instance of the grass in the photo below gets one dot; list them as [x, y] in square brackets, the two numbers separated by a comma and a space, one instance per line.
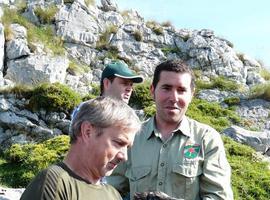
[261, 91]
[212, 114]
[35, 34]
[46, 16]
[220, 83]
[104, 38]
[156, 28]
[250, 176]
[265, 74]
[76, 68]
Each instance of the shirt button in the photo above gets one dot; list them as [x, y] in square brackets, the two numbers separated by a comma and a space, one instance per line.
[162, 164]
[160, 183]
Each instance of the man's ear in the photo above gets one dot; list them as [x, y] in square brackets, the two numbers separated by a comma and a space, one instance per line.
[106, 83]
[152, 91]
[87, 130]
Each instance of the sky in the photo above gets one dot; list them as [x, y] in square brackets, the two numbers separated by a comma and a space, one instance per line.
[245, 23]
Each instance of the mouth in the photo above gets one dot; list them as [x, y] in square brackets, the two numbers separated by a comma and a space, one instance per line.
[172, 108]
[112, 165]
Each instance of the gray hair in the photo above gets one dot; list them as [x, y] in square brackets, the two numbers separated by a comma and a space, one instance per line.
[103, 112]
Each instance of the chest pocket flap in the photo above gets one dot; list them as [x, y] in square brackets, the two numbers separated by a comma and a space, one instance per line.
[137, 173]
[187, 170]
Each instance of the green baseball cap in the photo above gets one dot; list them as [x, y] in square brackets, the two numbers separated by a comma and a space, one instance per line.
[120, 69]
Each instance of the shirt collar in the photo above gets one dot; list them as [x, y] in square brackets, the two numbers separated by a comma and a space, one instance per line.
[182, 128]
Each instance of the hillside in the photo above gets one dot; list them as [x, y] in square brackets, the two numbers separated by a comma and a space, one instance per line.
[65, 44]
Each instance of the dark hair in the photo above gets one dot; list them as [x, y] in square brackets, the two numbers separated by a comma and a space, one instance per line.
[178, 66]
[111, 78]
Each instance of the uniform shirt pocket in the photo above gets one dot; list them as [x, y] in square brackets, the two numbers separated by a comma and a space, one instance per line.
[185, 179]
[139, 178]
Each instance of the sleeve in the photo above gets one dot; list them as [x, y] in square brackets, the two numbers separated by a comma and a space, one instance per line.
[36, 188]
[44, 187]
[215, 181]
[118, 179]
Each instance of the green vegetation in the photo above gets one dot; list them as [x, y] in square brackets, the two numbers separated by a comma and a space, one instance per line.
[141, 96]
[212, 114]
[261, 91]
[42, 34]
[166, 24]
[250, 176]
[265, 74]
[94, 93]
[20, 91]
[156, 28]
[23, 162]
[167, 50]
[104, 38]
[138, 35]
[76, 68]
[46, 16]
[231, 101]
[54, 97]
[90, 2]
[220, 83]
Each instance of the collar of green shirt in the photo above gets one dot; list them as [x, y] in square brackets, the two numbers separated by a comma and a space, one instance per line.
[183, 127]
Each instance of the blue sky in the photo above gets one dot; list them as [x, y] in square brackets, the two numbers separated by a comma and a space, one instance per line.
[246, 23]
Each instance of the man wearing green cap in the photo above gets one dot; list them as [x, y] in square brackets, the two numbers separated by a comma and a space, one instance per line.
[117, 81]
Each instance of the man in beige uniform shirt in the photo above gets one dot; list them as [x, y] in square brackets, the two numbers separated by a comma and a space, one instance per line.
[101, 131]
[174, 154]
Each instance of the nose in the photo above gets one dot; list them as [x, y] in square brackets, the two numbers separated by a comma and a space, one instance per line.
[173, 95]
[129, 88]
[122, 154]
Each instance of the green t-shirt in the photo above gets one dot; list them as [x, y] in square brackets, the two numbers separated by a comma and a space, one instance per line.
[58, 182]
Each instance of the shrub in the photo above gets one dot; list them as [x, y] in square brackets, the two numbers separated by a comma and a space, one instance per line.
[104, 38]
[31, 158]
[261, 91]
[90, 2]
[232, 101]
[94, 93]
[156, 28]
[212, 114]
[166, 24]
[44, 34]
[54, 97]
[265, 74]
[76, 68]
[138, 35]
[225, 84]
[250, 176]
[141, 96]
[46, 16]
[150, 111]
[20, 91]
[167, 50]
[219, 82]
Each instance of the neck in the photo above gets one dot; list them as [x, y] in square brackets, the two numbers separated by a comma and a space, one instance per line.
[165, 128]
[74, 161]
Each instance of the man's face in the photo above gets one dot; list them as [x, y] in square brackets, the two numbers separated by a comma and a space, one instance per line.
[172, 96]
[119, 88]
[107, 150]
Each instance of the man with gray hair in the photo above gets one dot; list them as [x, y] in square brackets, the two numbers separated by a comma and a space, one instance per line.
[102, 130]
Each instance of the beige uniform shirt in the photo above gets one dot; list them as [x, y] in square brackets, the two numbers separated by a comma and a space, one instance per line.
[190, 165]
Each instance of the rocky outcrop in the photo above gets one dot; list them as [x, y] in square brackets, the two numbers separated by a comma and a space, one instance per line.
[83, 28]
[260, 141]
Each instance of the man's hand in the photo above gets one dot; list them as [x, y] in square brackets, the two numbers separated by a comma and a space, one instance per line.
[152, 196]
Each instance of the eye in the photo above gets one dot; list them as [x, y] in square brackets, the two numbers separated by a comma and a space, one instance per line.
[166, 87]
[119, 143]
